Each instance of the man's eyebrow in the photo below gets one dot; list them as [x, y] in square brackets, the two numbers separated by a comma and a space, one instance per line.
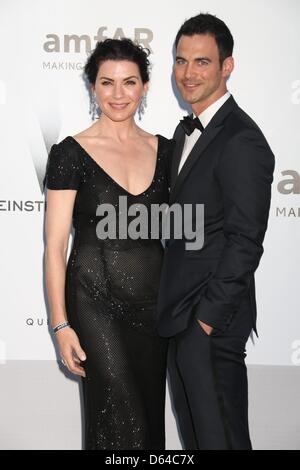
[196, 58]
[203, 58]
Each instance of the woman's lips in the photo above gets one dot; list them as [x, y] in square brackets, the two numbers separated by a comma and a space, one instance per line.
[118, 105]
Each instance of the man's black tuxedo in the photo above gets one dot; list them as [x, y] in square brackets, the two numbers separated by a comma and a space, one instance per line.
[230, 171]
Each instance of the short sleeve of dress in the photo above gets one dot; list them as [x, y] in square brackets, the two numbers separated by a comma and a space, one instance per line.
[63, 170]
[168, 147]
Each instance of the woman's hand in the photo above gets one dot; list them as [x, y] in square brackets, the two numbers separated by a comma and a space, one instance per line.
[70, 350]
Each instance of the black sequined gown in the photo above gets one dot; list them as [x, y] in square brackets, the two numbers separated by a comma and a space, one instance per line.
[111, 292]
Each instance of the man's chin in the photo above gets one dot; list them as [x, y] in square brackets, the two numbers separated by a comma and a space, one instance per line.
[192, 99]
[189, 98]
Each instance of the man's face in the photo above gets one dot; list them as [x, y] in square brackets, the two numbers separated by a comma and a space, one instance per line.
[199, 77]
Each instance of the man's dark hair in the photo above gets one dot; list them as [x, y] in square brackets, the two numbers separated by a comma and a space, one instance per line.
[204, 23]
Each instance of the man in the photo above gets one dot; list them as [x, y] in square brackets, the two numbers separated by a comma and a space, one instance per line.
[207, 297]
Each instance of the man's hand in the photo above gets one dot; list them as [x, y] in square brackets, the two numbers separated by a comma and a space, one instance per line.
[208, 329]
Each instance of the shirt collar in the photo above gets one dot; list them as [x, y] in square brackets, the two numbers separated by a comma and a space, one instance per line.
[206, 116]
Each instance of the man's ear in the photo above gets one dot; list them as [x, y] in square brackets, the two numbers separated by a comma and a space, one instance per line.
[227, 67]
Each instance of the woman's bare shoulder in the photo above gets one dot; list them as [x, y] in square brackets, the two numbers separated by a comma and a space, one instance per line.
[150, 139]
[90, 132]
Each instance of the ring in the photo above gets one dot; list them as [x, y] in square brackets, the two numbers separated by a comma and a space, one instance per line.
[63, 362]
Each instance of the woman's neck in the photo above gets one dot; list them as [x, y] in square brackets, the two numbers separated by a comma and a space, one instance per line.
[117, 130]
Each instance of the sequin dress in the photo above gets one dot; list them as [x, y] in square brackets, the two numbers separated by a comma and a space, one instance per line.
[110, 294]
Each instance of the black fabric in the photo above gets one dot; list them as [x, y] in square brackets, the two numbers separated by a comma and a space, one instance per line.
[230, 171]
[209, 386]
[189, 124]
[111, 296]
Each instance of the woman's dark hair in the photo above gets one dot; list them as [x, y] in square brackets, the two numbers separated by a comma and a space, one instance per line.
[117, 49]
[204, 23]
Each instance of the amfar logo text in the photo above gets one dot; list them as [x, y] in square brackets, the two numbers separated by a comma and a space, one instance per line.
[291, 184]
[74, 42]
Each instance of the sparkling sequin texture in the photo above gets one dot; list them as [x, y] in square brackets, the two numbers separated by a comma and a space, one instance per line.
[111, 292]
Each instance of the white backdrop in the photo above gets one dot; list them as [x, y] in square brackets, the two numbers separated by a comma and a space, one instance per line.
[43, 98]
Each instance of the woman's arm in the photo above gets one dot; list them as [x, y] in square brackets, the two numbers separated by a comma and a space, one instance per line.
[60, 205]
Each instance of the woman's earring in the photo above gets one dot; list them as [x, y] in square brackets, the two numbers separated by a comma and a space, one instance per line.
[142, 106]
[94, 108]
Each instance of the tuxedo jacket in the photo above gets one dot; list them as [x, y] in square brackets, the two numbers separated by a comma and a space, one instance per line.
[230, 171]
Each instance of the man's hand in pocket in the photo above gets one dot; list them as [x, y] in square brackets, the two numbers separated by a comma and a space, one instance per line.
[208, 329]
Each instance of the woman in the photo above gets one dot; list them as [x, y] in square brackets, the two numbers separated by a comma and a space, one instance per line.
[103, 303]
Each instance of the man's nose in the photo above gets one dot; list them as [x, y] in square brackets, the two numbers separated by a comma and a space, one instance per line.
[189, 71]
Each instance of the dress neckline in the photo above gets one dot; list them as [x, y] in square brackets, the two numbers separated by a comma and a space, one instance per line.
[99, 167]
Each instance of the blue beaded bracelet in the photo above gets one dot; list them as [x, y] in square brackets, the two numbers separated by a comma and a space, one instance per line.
[61, 326]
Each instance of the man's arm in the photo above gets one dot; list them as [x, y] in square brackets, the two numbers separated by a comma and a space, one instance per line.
[245, 173]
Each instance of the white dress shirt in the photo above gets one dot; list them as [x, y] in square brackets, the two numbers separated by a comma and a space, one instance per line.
[205, 117]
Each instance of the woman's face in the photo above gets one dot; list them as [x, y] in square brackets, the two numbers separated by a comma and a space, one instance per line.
[119, 89]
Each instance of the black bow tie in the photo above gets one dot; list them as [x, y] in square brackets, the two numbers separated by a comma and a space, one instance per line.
[189, 124]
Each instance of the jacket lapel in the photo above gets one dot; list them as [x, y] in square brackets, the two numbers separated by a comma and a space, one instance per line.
[208, 135]
[179, 136]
